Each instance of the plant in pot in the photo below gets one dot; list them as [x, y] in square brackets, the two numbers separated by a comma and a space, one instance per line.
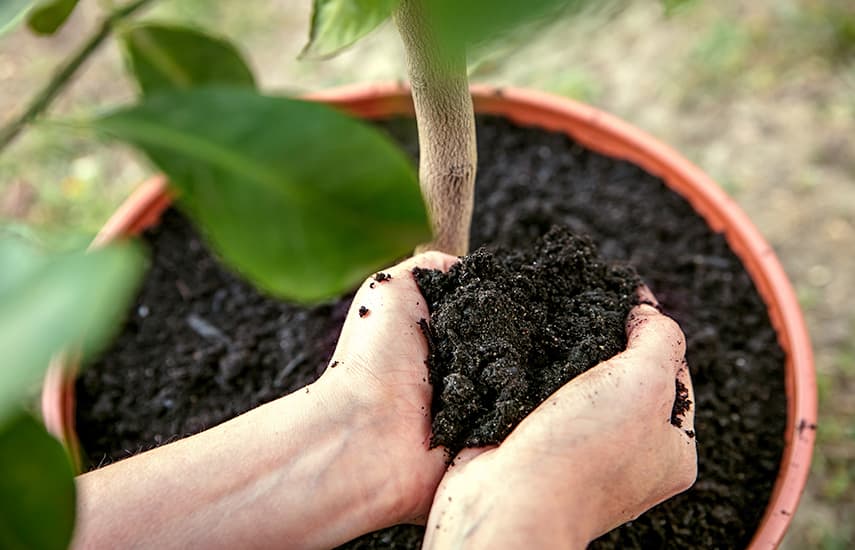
[167, 125]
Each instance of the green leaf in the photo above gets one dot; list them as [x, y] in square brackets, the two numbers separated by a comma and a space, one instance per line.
[674, 6]
[336, 24]
[475, 21]
[165, 57]
[37, 495]
[300, 198]
[48, 16]
[13, 12]
[20, 261]
[48, 303]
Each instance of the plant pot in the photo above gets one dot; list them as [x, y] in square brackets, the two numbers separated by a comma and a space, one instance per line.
[605, 134]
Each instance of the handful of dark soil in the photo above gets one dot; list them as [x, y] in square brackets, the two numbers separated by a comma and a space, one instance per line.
[507, 329]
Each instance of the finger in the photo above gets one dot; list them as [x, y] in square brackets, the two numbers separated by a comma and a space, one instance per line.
[387, 301]
[468, 454]
[397, 279]
[426, 260]
[395, 288]
[654, 337]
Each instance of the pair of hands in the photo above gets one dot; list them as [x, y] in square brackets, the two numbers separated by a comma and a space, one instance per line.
[349, 454]
[599, 452]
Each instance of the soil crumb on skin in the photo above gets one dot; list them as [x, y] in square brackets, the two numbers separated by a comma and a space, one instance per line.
[382, 277]
[508, 328]
[682, 403]
[363, 311]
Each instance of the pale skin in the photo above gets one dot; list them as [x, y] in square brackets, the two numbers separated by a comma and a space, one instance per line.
[349, 454]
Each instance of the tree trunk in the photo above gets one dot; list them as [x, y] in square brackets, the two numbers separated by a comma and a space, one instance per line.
[446, 123]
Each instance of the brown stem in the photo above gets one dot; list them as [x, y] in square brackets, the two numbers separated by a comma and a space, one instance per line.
[63, 76]
[446, 123]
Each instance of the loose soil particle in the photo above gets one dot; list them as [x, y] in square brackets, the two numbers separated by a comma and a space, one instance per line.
[202, 346]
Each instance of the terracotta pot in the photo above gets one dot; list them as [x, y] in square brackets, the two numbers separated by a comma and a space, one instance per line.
[605, 134]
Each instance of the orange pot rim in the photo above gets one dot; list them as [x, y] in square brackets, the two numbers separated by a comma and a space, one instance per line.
[605, 134]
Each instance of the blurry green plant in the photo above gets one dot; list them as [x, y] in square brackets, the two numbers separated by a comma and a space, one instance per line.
[300, 198]
[49, 302]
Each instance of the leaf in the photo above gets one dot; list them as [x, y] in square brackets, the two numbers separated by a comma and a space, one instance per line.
[300, 198]
[50, 303]
[472, 22]
[674, 6]
[48, 16]
[19, 260]
[13, 12]
[165, 57]
[37, 494]
[336, 24]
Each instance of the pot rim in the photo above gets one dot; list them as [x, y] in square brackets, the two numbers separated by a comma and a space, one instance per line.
[605, 134]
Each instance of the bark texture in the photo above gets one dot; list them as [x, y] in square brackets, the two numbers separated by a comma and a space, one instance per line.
[446, 123]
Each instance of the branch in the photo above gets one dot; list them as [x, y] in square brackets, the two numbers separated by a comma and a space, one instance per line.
[446, 123]
[63, 76]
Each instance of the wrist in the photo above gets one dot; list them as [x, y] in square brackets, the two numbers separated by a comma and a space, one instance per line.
[491, 503]
[393, 435]
[337, 457]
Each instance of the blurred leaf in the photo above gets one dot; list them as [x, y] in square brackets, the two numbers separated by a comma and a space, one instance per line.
[48, 16]
[302, 199]
[171, 57]
[39, 240]
[48, 303]
[13, 12]
[673, 6]
[472, 22]
[20, 261]
[37, 495]
[336, 24]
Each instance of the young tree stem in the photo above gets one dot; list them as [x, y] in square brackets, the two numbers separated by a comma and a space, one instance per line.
[446, 124]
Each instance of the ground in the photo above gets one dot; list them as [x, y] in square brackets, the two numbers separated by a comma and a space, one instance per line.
[761, 95]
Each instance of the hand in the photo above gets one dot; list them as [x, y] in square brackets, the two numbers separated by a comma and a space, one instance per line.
[314, 469]
[599, 452]
[381, 375]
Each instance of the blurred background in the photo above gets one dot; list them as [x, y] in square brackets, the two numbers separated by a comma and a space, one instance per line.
[758, 93]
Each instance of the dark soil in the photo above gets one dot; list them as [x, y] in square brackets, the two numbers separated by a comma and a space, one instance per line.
[201, 346]
[510, 327]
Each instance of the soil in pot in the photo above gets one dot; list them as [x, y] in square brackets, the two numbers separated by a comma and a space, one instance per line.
[201, 346]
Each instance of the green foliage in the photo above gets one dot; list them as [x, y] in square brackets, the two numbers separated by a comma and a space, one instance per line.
[164, 57]
[674, 6]
[49, 303]
[477, 21]
[13, 12]
[48, 16]
[302, 199]
[37, 487]
[336, 24]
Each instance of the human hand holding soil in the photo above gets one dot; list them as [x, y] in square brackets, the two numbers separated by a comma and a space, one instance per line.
[350, 453]
[379, 369]
[316, 468]
[597, 453]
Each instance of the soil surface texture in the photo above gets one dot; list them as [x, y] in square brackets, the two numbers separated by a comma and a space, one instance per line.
[508, 328]
[202, 346]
